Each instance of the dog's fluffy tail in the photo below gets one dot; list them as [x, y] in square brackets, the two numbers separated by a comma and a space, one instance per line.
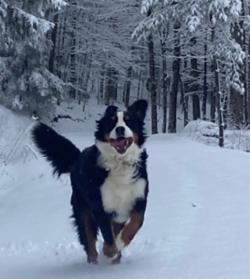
[59, 151]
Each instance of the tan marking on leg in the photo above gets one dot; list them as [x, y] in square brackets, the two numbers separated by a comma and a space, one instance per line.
[130, 230]
[92, 253]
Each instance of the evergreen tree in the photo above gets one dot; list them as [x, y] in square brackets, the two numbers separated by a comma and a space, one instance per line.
[26, 83]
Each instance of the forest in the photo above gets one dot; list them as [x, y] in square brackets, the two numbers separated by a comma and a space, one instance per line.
[189, 58]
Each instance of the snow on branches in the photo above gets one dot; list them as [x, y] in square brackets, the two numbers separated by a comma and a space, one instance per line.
[194, 18]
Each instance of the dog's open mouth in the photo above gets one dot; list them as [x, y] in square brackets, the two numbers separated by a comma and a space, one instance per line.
[121, 144]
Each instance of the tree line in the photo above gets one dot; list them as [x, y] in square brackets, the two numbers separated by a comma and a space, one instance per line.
[189, 58]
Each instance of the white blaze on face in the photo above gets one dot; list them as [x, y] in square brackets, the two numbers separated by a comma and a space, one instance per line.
[121, 123]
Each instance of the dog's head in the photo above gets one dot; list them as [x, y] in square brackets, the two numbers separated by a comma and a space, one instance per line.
[121, 130]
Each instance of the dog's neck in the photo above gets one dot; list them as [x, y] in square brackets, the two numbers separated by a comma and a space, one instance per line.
[110, 160]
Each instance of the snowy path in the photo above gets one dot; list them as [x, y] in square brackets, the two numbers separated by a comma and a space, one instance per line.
[197, 224]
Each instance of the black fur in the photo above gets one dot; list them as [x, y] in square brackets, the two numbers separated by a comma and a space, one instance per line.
[87, 176]
[59, 151]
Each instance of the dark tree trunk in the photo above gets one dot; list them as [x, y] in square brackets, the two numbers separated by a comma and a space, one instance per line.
[225, 112]
[128, 86]
[164, 83]
[73, 61]
[175, 83]
[111, 85]
[204, 97]
[85, 85]
[108, 86]
[212, 105]
[248, 78]
[238, 101]
[115, 84]
[194, 85]
[245, 12]
[213, 92]
[184, 103]
[220, 106]
[102, 77]
[196, 107]
[60, 45]
[139, 86]
[53, 39]
[152, 85]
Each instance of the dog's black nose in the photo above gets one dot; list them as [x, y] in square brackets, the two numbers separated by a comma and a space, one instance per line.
[120, 131]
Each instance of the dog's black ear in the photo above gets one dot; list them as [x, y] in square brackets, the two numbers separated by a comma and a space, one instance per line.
[139, 108]
[110, 111]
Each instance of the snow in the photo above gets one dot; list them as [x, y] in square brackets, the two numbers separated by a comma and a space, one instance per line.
[208, 132]
[14, 136]
[36, 23]
[58, 3]
[197, 222]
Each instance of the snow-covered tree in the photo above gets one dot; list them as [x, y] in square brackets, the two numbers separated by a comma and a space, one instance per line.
[94, 50]
[205, 22]
[26, 83]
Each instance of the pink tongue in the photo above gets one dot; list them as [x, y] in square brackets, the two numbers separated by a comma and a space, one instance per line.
[120, 145]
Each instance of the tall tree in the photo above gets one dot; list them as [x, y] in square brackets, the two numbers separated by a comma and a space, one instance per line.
[26, 82]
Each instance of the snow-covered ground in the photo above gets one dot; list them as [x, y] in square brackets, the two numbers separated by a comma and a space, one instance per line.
[197, 222]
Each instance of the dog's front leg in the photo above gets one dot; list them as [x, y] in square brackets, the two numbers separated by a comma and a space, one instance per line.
[104, 222]
[132, 227]
[130, 230]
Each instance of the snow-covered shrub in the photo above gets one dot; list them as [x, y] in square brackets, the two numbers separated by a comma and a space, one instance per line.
[208, 132]
[202, 131]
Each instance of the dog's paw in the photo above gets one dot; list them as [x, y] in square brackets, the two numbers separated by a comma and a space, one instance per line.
[92, 259]
[109, 251]
[117, 258]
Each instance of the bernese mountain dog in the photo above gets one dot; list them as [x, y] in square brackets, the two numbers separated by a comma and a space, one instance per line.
[109, 179]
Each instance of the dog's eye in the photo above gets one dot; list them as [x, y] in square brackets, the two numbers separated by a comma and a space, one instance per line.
[113, 118]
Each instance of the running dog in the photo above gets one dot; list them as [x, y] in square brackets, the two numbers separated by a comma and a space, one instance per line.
[109, 179]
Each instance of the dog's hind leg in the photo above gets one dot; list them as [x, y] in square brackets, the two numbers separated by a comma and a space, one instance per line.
[91, 236]
[87, 233]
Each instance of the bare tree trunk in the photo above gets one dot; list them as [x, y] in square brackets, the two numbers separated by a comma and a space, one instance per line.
[213, 92]
[245, 47]
[102, 78]
[212, 105]
[115, 84]
[139, 86]
[128, 86]
[194, 85]
[73, 72]
[60, 42]
[220, 106]
[175, 83]
[152, 85]
[196, 107]
[108, 86]
[205, 86]
[248, 76]
[84, 94]
[164, 82]
[53, 39]
[184, 102]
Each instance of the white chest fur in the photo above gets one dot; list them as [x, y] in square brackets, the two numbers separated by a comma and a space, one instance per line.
[120, 191]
